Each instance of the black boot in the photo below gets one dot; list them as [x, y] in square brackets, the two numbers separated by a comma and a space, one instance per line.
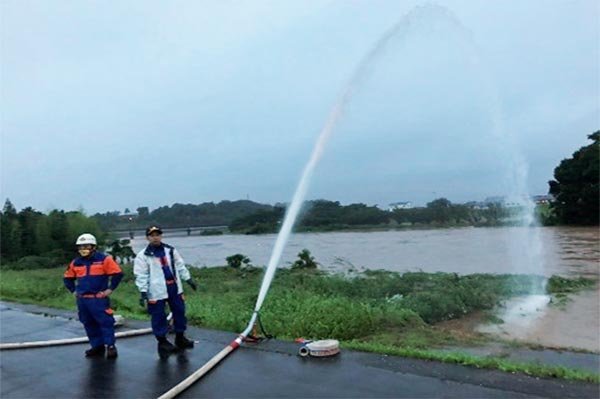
[111, 352]
[165, 348]
[96, 351]
[182, 342]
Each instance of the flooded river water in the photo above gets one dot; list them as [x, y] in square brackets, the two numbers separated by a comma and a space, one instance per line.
[565, 251]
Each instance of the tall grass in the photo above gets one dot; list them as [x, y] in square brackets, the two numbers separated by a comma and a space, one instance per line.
[306, 303]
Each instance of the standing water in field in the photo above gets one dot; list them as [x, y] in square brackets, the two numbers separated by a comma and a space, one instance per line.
[421, 19]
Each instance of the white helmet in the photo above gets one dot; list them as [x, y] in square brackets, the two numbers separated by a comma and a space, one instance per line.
[86, 238]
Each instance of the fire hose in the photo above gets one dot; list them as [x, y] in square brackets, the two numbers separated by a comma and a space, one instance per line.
[70, 341]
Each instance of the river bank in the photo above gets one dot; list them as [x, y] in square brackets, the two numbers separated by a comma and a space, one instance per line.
[378, 311]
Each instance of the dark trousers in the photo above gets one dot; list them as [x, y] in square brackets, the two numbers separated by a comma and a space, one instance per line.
[98, 321]
[160, 327]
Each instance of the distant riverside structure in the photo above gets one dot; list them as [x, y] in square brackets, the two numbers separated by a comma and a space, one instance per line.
[128, 216]
[542, 199]
[501, 201]
[399, 205]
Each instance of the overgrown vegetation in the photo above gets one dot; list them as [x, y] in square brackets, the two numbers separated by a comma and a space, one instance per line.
[305, 302]
[376, 310]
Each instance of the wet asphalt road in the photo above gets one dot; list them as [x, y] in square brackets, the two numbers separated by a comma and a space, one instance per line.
[267, 370]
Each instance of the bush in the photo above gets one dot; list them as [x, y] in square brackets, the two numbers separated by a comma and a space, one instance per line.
[295, 314]
[434, 306]
[557, 284]
[305, 261]
[237, 260]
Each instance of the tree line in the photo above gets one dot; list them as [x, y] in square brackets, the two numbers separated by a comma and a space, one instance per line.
[180, 215]
[324, 215]
[47, 240]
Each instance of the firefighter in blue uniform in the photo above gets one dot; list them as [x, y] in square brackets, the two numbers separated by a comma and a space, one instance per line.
[159, 272]
[88, 277]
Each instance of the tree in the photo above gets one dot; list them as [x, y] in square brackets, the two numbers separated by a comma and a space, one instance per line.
[121, 250]
[10, 239]
[9, 209]
[13, 246]
[143, 211]
[441, 209]
[28, 219]
[59, 232]
[576, 185]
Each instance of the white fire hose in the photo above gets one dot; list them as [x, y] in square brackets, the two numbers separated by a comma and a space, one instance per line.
[322, 348]
[69, 341]
[78, 340]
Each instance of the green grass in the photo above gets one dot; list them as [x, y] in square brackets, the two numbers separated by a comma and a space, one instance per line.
[377, 311]
[532, 369]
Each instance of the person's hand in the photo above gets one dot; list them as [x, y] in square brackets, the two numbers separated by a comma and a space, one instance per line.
[144, 299]
[192, 284]
[105, 293]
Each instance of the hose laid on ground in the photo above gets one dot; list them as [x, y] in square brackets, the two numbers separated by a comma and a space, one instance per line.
[196, 375]
[79, 340]
[69, 341]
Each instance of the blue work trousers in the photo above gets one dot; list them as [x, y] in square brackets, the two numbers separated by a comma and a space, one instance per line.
[97, 318]
[160, 326]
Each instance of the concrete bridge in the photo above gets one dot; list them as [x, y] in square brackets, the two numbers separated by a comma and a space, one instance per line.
[174, 232]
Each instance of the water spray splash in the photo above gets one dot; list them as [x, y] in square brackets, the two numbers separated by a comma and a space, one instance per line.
[524, 241]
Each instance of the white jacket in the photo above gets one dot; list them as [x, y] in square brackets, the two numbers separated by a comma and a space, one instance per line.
[149, 276]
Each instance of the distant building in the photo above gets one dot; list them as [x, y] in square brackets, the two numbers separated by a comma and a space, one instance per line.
[477, 205]
[399, 205]
[502, 201]
[495, 200]
[542, 199]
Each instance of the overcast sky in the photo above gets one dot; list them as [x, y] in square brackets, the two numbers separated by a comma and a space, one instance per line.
[114, 104]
